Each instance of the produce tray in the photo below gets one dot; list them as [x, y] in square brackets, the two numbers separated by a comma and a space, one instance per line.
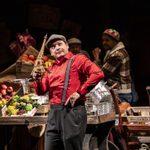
[21, 106]
[28, 114]
[137, 115]
[16, 86]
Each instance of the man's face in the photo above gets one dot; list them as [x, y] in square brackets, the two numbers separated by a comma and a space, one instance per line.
[108, 42]
[58, 49]
[75, 48]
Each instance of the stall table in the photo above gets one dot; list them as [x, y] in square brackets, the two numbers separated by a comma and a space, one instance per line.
[14, 134]
[136, 135]
[136, 123]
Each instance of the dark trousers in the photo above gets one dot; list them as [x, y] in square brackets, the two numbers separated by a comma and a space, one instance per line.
[65, 128]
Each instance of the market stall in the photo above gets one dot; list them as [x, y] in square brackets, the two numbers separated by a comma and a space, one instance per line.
[23, 122]
[16, 131]
[23, 114]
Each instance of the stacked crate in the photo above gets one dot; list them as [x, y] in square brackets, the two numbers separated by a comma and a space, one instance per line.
[24, 68]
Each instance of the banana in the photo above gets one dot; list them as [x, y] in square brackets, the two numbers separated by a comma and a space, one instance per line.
[48, 64]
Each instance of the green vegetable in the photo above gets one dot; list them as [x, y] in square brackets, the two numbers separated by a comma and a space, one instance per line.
[29, 107]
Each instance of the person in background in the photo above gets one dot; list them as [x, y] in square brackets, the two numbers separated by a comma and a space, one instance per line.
[67, 119]
[116, 67]
[116, 64]
[75, 46]
[21, 44]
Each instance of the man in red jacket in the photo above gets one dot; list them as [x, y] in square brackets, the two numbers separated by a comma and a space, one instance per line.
[67, 119]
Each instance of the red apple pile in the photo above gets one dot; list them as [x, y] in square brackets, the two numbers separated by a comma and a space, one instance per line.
[28, 58]
[6, 92]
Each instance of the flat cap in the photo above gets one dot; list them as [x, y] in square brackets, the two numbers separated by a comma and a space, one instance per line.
[74, 41]
[113, 33]
[53, 38]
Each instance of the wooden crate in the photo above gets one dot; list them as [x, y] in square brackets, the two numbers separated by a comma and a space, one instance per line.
[99, 113]
[95, 119]
[23, 70]
[137, 115]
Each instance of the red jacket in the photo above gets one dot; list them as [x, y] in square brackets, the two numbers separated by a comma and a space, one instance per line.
[83, 74]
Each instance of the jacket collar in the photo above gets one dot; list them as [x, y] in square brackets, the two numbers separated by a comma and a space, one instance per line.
[64, 58]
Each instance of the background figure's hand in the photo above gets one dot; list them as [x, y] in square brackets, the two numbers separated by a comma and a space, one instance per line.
[12, 45]
[96, 52]
[72, 98]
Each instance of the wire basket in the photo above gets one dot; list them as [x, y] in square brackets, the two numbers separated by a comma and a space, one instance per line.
[99, 104]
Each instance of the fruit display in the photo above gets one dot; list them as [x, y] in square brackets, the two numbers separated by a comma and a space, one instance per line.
[3, 102]
[28, 58]
[7, 91]
[21, 105]
[48, 63]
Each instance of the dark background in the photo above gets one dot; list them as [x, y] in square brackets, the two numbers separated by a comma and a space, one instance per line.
[90, 18]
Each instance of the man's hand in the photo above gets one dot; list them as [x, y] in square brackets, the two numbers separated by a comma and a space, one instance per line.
[37, 75]
[72, 99]
[96, 52]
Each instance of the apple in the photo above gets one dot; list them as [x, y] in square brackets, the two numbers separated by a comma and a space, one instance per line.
[3, 91]
[24, 55]
[45, 58]
[4, 86]
[9, 89]
[24, 59]
[31, 61]
[0, 95]
[31, 57]
[12, 94]
[7, 97]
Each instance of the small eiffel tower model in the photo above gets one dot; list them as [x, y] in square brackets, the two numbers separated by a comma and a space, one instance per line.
[38, 65]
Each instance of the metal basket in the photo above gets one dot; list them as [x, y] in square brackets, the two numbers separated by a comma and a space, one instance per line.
[99, 113]
[99, 104]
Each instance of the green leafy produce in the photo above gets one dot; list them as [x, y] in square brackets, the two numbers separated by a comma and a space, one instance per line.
[16, 97]
[29, 107]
